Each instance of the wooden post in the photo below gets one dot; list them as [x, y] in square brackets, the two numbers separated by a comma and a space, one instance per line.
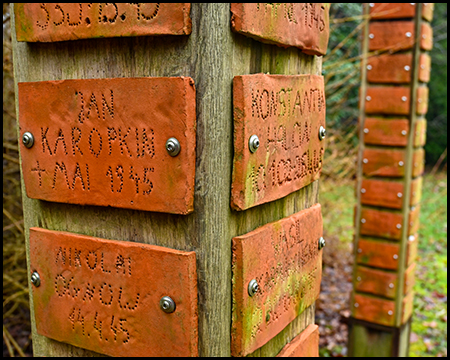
[203, 48]
[393, 102]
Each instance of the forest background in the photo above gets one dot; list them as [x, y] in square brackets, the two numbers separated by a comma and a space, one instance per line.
[341, 70]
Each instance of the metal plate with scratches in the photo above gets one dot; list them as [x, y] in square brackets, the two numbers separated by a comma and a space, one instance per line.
[286, 115]
[36, 22]
[104, 142]
[104, 295]
[284, 259]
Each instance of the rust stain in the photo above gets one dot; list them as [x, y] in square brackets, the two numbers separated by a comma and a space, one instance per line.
[37, 22]
[303, 25]
[102, 142]
[286, 113]
[306, 344]
[284, 258]
[103, 295]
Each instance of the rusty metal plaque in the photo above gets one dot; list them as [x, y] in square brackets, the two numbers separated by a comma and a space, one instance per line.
[285, 114]
[379, 254]
[392, 10]
[377, 282]
[389, 132]
[383, 224]
[389, 100]
[389, 68]
[303, 25]
[103, 142]
[382, 193]
[373, 309]
[392, 35]
[382, 162]
[38, 22]
[284, 259]
[306, 344]
[104, 295]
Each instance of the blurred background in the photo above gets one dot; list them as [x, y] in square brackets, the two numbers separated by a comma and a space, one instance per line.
[341, 70]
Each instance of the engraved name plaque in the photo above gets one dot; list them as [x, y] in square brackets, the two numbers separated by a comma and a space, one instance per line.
[284, 259]
[303, 25]
[286, 114]
[104, 295]
[37, 22]
[103, 142]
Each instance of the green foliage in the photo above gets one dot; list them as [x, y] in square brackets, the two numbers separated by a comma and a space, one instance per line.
[437, 106]
[429, 325]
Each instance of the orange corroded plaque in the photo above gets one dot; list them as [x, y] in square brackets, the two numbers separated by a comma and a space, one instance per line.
[306, 344]
[390, 132]
[103, 142]
[104, 295]
[285, 115]
[303, 25]
[36, 22]
[284, 259]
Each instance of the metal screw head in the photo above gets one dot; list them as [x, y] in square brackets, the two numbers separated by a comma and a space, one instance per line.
[322, 133]
[253, 143]
[28, 139]
[35, 279]
[321, 243]
[167, 304]
[253, 287]
[173, 146]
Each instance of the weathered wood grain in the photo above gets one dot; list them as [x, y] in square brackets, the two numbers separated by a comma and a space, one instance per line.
[212, 55]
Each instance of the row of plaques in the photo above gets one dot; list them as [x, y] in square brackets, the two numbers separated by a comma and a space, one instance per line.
[130, 143]
[108, 295]
[104, 142]
[303, 25]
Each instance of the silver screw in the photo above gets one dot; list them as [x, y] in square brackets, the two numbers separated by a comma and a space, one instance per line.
[173, 146]
[366, 131]
[322, 133]
[391, 286]
[363, 191]
[321, 243]
[167, 304]
[404, 98]
[407, 67]
[35, 279]
[253, 143]
[253, 287]
[28, 139]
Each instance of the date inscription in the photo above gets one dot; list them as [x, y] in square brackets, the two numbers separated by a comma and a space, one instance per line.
[303, 25]
[285, 260]
[45, 22]
[102, 142]
[103, 295]
[285, 113]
